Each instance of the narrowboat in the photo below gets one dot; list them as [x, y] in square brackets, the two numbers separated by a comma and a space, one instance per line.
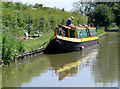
[69, 39]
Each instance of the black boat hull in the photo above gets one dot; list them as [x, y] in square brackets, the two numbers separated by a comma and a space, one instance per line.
[62, 46]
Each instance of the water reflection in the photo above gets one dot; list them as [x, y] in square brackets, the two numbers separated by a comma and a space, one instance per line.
[93, 66]
[22, 72]
[119, 59]
[71, 69]
[106, 66]
[0, 77]
[68, 65]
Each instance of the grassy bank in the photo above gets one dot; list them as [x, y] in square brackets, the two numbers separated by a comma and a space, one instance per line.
[113, 28]
[35, 43]
[100, 31]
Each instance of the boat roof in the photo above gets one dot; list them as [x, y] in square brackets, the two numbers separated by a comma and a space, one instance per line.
[67, 27]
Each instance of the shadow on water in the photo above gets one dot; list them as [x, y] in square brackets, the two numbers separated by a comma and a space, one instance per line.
[93, 66]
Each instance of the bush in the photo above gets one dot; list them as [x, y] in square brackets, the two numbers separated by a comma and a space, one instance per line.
[113, 26]
[11, 46]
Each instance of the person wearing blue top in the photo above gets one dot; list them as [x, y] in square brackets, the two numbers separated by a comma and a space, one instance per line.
[69, 21]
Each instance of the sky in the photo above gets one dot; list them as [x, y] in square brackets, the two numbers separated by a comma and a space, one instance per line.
[66, 4]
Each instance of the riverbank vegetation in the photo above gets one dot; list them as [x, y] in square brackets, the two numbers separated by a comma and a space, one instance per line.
[40, 42]
[105, 14]
[100, 31]
[17, 19]
[0, 47]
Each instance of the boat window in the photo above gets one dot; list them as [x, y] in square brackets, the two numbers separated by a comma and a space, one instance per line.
[92, 32]
[65, 32]
[82, 32]
[60, 31]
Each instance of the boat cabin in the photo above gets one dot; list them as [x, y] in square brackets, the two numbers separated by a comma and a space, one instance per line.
[75, 32]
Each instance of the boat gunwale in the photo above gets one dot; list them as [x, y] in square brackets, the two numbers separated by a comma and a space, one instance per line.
[76, 38]
[80, 39]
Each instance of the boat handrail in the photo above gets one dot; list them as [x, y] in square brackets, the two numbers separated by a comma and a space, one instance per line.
[64, 26]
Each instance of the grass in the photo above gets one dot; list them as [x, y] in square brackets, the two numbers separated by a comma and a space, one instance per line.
[35, 43]
[100, 31]
[113, 28]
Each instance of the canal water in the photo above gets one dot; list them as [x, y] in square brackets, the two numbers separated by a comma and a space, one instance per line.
[95, 66]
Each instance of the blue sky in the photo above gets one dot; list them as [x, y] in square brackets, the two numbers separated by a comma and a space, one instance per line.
[66, 4]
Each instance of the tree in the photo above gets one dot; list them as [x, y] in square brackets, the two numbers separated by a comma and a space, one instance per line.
[116, 11]
[17, 6]
[39, 6]
[110, 4]
[85, 8]
[7, 5]
[103, 15]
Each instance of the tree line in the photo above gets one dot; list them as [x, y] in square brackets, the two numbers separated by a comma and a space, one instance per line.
[106, 14]
[18, 18]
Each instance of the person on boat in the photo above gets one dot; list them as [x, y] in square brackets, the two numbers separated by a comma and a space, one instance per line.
[69, 22]
[93, 23]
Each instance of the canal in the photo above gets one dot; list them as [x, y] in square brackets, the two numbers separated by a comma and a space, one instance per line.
[95, 66]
